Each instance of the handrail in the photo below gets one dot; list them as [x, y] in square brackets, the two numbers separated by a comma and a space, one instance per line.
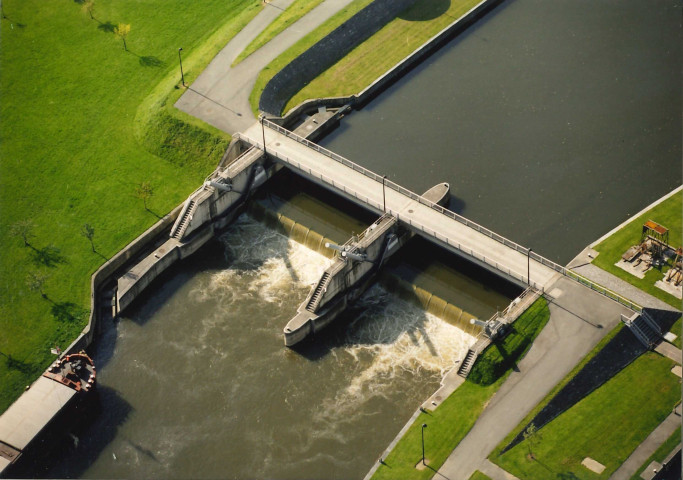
[419, 198]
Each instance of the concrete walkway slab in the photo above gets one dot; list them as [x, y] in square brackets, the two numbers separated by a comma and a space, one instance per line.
[617, 285]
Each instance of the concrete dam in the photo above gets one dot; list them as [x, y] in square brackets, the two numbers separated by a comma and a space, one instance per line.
[265, 148]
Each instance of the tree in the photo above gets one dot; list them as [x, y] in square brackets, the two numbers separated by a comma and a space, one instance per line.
[35, 282]
[89, 7]
[144, 192]
[122, 30]
[532, 437]
[23, 229]
[88, 231]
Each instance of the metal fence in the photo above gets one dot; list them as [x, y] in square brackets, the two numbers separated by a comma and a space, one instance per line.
[417, 225]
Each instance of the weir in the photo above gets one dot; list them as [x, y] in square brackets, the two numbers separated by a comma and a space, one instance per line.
[257, 154]
[424, 217]
[345, 280]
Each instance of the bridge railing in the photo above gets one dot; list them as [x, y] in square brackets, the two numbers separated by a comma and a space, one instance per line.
[459, 218]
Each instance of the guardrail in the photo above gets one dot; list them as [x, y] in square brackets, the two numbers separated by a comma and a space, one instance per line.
[440, 238]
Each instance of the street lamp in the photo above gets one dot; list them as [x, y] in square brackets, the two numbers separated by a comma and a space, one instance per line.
[424, 425]
[384, 195]
[528, 267]
[263, 132]
[180, 59]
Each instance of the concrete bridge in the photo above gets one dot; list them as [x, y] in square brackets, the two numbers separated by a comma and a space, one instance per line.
[424, 217]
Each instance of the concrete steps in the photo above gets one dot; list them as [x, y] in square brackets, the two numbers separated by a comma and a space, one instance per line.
[467, 363]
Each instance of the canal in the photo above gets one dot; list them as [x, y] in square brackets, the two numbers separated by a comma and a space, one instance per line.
[552, 121]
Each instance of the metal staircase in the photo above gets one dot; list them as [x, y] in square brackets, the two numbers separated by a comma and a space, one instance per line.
[180, 227]
[315, 299]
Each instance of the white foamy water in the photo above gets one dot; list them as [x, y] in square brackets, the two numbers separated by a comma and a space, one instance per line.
[265, 265]
[393, 341]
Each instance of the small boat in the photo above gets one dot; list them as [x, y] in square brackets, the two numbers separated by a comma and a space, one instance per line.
[76, 371]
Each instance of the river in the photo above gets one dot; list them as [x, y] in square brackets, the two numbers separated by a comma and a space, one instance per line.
[552, 121]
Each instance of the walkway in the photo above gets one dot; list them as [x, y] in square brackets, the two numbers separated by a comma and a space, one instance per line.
[220, 95]
[649, 446]
[581, 265]
[579, 319]
[441, 226]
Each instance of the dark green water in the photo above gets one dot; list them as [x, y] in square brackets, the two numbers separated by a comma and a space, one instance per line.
[552, 121]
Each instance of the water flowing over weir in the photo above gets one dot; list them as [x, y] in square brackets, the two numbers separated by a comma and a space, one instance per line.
[209, 390]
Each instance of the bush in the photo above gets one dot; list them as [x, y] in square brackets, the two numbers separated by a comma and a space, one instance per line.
[503, 354]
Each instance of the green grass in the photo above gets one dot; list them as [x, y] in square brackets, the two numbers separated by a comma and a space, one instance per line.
[80, 128]
[661, 453]
[300, 47]
[293, 13]
[477, 475]
[448, 424]
[605, 340]
[667, 213]
[607, 425]
[370, 60]
[676, 328]
[501, 356]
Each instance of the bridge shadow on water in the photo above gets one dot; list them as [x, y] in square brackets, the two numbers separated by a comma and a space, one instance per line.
[77, 437]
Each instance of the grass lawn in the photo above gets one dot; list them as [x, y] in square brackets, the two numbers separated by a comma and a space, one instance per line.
[606, 426]
[370, 60]
[477, 475]
[660, 454]
[81, 128]
[605, 340]
[448, 424]
[667, 213]
[293, 13]
[300, 47]
[676, 328]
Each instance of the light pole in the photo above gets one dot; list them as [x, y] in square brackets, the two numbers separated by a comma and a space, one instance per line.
[528, 267]
[263, 132]
[384, 195]
[180, 59]
[424, 425]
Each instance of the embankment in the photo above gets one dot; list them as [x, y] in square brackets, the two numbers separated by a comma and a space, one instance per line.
[336, 45]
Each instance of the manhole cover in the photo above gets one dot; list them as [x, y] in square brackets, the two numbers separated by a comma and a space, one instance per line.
[277, 144]
[410, 211]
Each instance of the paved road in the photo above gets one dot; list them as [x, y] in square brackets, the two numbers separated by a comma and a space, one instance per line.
[579, 318]
[220, 95]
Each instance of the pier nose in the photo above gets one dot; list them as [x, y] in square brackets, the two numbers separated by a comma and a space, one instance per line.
[439, 194]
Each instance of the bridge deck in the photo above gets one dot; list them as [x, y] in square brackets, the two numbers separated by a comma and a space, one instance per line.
[433, 222]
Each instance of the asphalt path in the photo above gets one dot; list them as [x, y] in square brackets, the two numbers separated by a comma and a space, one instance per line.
[579, 319]
[220, 95]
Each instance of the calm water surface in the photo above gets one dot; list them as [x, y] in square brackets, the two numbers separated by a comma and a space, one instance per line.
[552, 121]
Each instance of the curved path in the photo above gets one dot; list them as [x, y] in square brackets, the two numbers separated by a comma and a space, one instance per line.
[220, 95]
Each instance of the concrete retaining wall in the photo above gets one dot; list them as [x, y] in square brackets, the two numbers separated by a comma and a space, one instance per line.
[103, 274]
[327, 52]
[383, 82]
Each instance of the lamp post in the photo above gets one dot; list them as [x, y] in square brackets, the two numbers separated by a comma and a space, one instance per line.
[384, 195]
[180, 59]
[424, 425]
[528, 266]
[263, 132]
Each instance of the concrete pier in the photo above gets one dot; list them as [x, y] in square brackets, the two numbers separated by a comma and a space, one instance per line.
[26, 418]
[346, 279]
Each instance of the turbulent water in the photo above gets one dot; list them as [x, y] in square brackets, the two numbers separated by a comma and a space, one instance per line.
[552, 120]
[199, 383]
